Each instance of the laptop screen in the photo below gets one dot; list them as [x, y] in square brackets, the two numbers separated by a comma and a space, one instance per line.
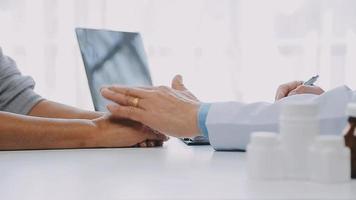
[112, 57]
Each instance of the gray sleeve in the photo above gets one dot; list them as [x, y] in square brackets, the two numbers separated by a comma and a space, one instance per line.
[16, 90]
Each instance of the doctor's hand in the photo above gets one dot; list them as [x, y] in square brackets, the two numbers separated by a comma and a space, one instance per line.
[296, 87]
[167, 110]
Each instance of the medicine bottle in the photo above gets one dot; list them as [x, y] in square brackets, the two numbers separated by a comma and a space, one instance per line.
[264, 157]
[298, 126]
[329, 160]
[350, 136]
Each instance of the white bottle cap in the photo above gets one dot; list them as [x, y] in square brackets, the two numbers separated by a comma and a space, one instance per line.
[264, 139]
[330, 141]
[351, 109]
[297, 110]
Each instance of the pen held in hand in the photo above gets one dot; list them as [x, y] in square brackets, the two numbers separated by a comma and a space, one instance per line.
[311, 81]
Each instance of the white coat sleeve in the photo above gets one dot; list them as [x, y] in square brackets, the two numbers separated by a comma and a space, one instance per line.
[230, 124]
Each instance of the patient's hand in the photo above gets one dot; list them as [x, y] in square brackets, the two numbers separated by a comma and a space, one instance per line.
[113, 132]
[296, 87]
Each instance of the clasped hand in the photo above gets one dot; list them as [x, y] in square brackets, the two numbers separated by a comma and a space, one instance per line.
[113, 132]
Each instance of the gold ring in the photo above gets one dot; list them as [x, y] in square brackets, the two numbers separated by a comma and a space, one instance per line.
[135, 102]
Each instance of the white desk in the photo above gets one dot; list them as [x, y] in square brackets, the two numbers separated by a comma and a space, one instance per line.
[175, 171]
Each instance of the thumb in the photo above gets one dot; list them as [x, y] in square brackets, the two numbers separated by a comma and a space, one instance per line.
[177, 83]
[280, 95]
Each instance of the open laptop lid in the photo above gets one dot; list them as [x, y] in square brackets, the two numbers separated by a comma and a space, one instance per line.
[112, 57]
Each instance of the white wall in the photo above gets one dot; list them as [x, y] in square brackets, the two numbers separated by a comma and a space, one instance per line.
[226, 49]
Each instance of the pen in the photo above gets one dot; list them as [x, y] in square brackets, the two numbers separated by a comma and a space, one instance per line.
[311, 81]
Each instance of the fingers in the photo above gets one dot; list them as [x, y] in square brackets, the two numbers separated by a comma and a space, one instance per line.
[147, 143]
[120, 98]
[142, 144]
[150, 143]
[155, 136]
[163, 89]
[130, 112]
[129, 91]
[306, 89]
[146, 88]
[284, 89]
[158, 143]
[177, 83]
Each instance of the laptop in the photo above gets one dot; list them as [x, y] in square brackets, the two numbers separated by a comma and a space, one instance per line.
[115, 57]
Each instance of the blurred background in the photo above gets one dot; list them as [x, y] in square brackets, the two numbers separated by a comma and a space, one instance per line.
[226, 49]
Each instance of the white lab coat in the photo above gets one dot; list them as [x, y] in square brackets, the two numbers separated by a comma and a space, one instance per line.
[230, 124]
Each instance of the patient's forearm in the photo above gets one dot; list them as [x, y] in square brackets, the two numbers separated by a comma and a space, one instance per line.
[26, 132]
[52, 109]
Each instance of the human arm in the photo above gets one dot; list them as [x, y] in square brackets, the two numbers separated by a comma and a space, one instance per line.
[229, 124]
[27, 132]
[51, 109]
[17, 96]
[18, 99]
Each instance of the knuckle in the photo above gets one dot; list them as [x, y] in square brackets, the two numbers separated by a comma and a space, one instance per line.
[155, 94]
[135, 114]
[116, 97]
[127, 100]
[130, 112]
[295, 83]
[129, 92]
[281, 87]
[163, 88]
[161, 93]
[300, 89]
[317, 90]
[158, 93]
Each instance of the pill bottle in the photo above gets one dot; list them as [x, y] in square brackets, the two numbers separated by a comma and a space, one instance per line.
[298, 126]
[329, 160]
[350, 136]
[264, 157]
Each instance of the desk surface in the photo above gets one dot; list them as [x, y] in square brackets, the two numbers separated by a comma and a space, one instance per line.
[174, 171]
